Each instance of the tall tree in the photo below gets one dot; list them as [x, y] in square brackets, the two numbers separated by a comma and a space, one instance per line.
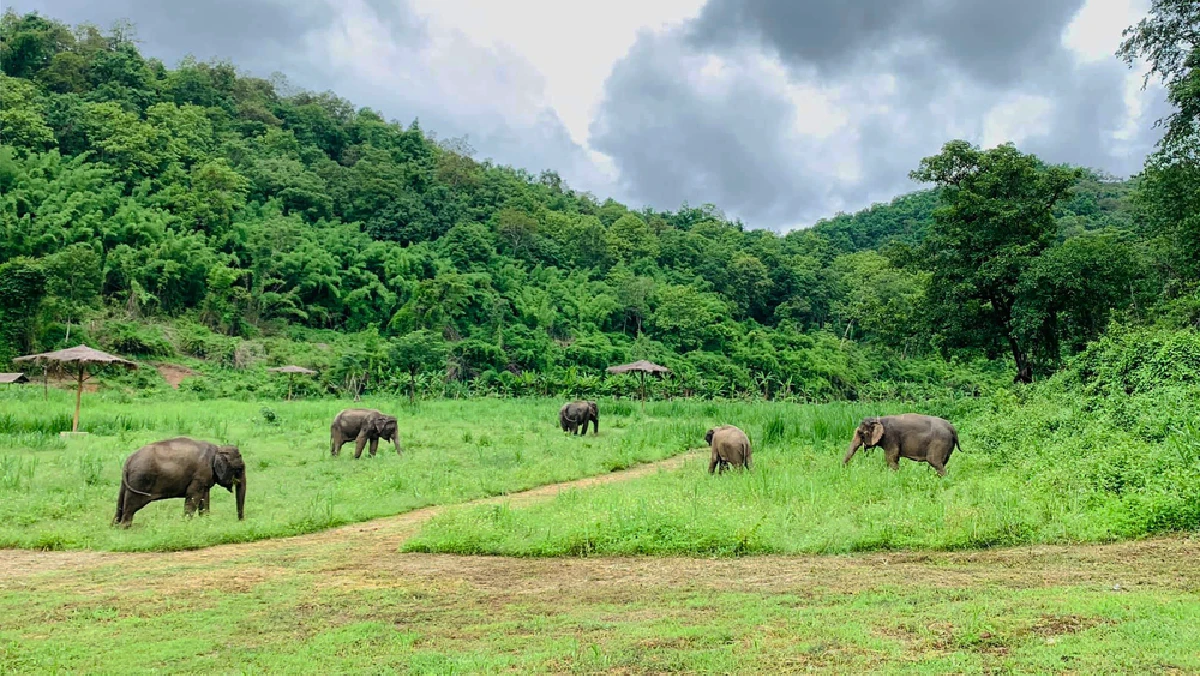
[994, 220]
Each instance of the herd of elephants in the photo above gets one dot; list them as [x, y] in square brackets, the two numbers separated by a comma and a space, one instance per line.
[188, 468]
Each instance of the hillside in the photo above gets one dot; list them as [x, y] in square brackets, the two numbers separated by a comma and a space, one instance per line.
[195, 212]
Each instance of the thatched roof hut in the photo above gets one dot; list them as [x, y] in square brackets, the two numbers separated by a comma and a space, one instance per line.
[641, 367]
[80, 358]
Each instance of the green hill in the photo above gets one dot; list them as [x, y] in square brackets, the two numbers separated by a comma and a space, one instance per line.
[198, 213]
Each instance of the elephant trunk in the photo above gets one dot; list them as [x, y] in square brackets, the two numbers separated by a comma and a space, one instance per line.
[854, 445]
[240, 496]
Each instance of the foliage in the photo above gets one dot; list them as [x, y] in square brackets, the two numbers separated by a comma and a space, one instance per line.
[198, 196]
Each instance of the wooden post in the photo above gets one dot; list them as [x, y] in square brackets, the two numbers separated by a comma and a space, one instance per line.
[291, 380]
[78, 396]
[45, 382]
[643, 374]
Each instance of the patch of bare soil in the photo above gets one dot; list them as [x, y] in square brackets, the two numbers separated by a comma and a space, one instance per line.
[174, 374]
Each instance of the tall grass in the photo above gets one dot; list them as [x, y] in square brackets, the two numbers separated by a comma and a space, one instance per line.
[1056, 467]
[58, 493]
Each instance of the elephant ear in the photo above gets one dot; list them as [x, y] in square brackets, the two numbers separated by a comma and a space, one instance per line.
[876, 433]
[222, 470]
[708, 437]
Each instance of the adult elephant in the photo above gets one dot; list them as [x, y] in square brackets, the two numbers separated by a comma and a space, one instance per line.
[180, 468]
[921, 438]
[730, 448]
[576, 413]
[363, 425]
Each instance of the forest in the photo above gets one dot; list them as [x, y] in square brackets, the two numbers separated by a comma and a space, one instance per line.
[199, 214]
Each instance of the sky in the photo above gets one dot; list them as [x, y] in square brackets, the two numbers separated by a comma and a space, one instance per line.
[779, 112]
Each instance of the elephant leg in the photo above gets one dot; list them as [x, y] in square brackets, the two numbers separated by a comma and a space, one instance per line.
[204, 501]
[192, 498]
[120, 503]
[939, 467]
[359, 443]
[374, 446]
[893, 460]
[133, 503]
[712, 464]
[335, 444]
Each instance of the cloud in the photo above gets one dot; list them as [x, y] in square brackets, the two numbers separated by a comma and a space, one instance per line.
[375, 53]
[902, 76]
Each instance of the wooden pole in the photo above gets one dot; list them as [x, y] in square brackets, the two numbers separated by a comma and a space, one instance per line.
[291, 380]
[643, 374]
[78, 397]
[45, 382]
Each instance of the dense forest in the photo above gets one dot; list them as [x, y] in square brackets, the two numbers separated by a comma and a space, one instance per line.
[196, 213]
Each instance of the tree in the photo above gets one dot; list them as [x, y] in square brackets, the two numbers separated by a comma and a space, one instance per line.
[1169, 41]
[417, 351]
[629, 238]
[994, 220]
[22, 289]
[73, 281]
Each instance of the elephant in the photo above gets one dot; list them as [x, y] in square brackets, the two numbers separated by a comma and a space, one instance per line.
[921, 438]
[361, 425]
[730, 448]
[572, 414]
[180, 468]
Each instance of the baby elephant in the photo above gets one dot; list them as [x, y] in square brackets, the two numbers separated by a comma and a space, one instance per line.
[922, 438]
[730, 448]
[180, 468]
[362, 425]
[577, 413]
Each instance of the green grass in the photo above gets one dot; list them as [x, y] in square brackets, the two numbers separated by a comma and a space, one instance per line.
[1053, 469]
[60, 493]
[326, 612]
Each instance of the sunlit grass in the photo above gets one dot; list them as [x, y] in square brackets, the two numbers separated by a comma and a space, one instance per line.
[58, 493]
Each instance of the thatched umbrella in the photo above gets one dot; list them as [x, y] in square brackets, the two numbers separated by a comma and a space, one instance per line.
[292, 371]
[81, 356]
[641, 367]
[12, 378]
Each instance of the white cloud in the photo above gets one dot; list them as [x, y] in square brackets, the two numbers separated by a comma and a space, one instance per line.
[1017, 118]
[1095, 32]
[573, 45]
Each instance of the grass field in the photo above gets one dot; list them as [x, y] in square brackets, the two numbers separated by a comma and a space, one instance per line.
[1055, 469]
[344, 596]
[61, 493]
[343, 601]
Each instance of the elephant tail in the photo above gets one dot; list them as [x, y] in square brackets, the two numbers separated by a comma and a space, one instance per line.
[126, 486]
[956, 444]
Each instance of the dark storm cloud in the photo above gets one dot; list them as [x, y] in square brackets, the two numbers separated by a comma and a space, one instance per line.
[908, 75]
[675, 145]
[299, 39]
[993, 41]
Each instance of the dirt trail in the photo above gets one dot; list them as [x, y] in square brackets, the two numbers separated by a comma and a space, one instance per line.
[365, 555]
